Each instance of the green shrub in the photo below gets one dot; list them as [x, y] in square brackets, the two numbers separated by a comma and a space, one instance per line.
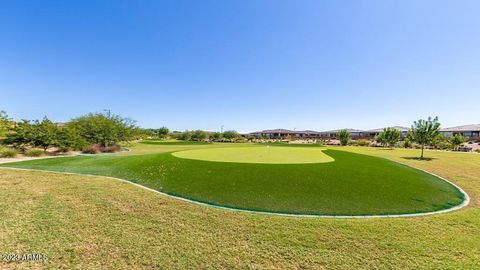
[33, 152]
[231, 135]
[92, 149]
[8, 153]
[97, 149]
[362, 142]
[443, 145]
[63, 149]
[407, 143]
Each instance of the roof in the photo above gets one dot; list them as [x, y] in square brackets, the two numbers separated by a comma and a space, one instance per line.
[279, 130]
[286, 131]
[310, 131]
[474, 127]
[351, 130]
[381, 129]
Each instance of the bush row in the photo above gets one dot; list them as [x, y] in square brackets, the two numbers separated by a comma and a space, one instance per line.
[90, 133]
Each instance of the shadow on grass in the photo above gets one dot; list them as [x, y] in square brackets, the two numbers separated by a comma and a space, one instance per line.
[419, 159]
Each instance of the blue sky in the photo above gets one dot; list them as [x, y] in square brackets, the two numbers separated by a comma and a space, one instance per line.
[247, 65]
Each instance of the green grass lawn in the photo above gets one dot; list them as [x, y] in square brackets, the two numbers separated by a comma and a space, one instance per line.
[98, 223]
[172, 142]
[265, 154]
[353, 184]
[287, 144]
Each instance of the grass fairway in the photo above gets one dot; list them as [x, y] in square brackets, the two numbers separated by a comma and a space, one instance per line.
[264, 154]
[353, 184]
[97, 223]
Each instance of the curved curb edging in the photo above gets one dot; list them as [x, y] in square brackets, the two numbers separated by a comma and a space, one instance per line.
[465, 202]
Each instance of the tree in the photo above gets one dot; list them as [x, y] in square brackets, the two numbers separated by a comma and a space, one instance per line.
[424, 132]
[380, 138]
[199, 135]
[230, 135]
[104, 129]
[21, 135]
[163, 132]
[344, 136]
[5, 124]
[44, 134]
[457, 140]
[37, 134]
[68, 138]
[390, 136]
[216, 136]
[143, 133]
[185, 136]
[251, 138]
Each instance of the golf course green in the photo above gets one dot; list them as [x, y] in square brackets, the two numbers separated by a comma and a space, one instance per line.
[264, 154]
[293, 180]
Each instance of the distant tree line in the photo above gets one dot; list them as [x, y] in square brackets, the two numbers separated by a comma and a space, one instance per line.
[164, 133]
[425, 133]
[93, 132]
[201, 135]
[99, 132]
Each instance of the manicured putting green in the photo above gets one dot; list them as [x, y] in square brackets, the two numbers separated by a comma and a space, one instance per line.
[259, 154]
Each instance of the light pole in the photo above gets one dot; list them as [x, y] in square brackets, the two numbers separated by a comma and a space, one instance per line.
[221, 129]
[107, 111]
[105, 143]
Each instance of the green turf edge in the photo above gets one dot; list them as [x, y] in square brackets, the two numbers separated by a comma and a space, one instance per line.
[465, 198]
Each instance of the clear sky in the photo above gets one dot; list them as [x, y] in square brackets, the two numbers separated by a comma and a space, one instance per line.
[247, 65]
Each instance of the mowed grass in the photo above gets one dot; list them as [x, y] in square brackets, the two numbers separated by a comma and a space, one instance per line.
[353, 184]
[265, 154]
[172, 142]
[98, 223]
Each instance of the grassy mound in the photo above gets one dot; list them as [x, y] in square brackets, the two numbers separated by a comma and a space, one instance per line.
[265, 154]
[354, 184]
